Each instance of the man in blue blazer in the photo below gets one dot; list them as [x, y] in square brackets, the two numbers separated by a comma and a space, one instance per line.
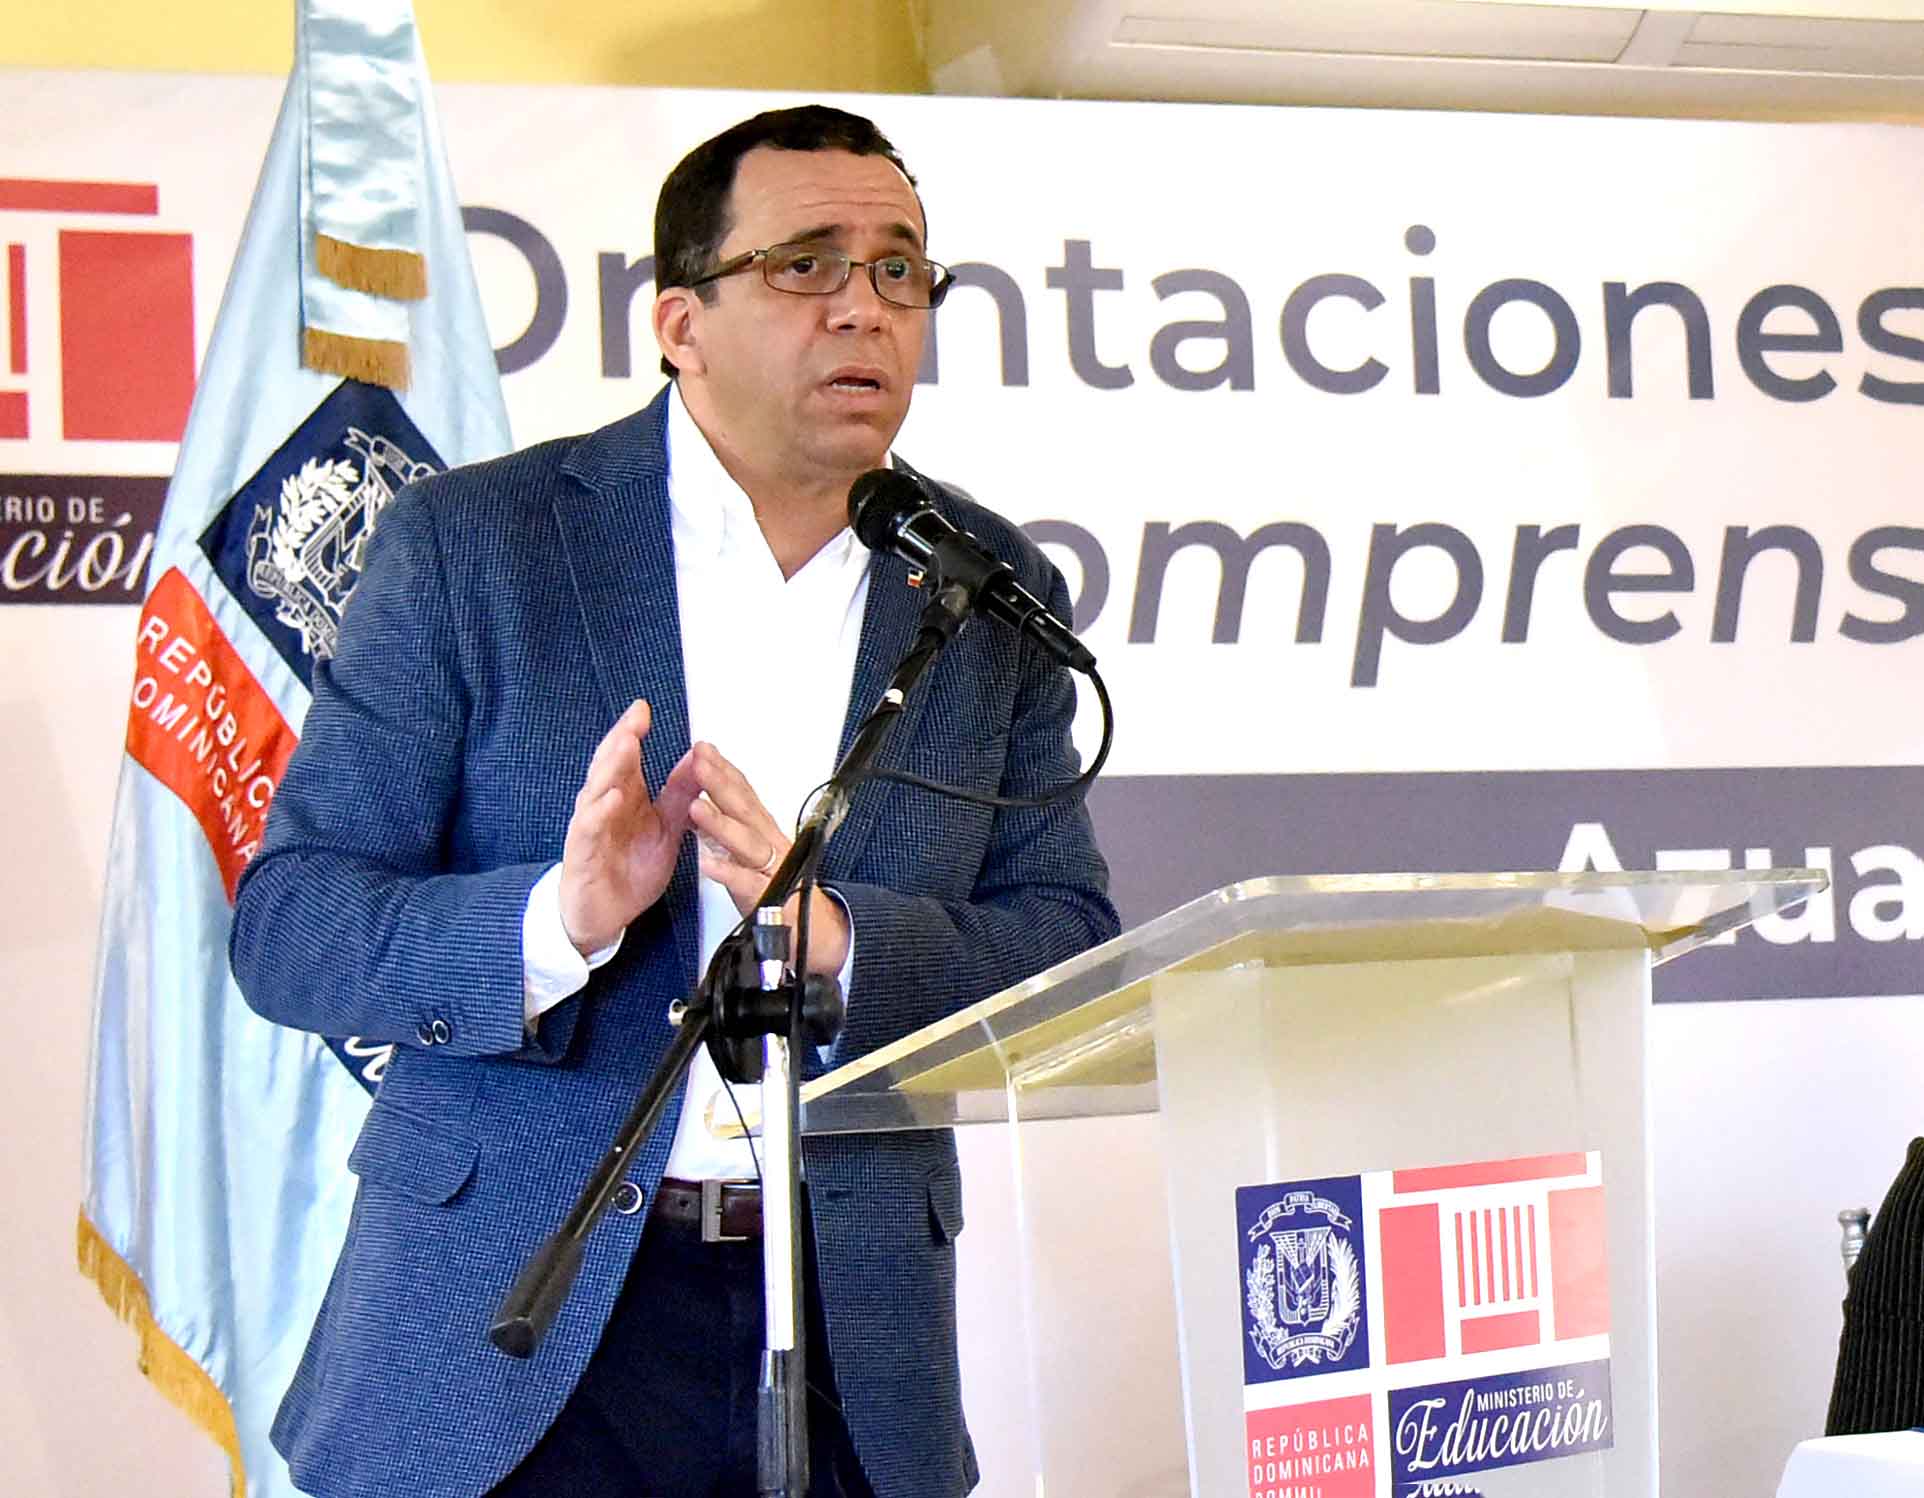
[467, 860]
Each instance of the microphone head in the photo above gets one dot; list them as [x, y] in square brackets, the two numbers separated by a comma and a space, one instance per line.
[879, 502]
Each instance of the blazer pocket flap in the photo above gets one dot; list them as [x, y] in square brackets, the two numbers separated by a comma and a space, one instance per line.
[945, 1204]
[407, 1153]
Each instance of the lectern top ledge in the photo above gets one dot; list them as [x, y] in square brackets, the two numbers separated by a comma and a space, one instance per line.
[1083, 1027]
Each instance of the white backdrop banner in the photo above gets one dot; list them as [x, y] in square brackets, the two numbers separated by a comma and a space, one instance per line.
[1436, 490]
[1371, 443]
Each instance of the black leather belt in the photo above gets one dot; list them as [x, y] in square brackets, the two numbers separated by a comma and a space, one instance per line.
[723, 1211]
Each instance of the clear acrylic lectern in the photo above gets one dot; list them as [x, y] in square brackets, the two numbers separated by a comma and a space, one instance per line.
[1333, 1186]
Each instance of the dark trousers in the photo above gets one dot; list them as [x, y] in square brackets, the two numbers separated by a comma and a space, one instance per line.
[666, 1406]
[1880, 1357]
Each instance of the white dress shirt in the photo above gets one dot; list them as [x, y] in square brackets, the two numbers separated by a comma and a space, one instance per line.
[781, 728]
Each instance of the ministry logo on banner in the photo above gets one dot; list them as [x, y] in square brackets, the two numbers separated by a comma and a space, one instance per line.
[1409, 1333]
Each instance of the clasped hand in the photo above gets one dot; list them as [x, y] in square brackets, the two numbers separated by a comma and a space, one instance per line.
[622, 842]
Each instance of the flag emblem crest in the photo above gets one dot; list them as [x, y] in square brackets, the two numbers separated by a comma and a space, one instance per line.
[290, 544]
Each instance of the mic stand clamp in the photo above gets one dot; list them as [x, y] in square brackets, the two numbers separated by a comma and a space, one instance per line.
[755, 1002]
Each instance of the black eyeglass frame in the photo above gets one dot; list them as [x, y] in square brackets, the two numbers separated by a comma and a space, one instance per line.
[942, 278]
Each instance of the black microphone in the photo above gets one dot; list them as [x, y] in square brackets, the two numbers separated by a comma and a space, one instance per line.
[890, 511]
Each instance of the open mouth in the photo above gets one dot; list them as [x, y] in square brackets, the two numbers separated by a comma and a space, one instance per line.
[856, 384]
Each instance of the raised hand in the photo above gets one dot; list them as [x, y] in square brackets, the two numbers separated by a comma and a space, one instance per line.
[741, 844]
[622, 843]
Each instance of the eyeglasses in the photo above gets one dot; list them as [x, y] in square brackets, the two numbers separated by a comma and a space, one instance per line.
[817, 270]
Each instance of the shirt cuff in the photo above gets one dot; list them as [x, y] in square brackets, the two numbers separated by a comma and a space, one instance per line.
[551, 968]
[848, 963]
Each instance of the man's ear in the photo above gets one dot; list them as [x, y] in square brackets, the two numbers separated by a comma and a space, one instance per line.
[677, 315]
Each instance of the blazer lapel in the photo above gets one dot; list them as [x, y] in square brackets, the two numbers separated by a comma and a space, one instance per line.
[888, 630]
[615, 532]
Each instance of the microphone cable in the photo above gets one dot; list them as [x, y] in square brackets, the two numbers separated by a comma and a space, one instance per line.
[1064, 792]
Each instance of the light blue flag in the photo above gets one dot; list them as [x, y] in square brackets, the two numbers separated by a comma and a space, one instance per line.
[217, 1191]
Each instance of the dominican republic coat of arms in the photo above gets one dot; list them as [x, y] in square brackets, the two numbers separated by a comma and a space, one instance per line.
[304, 554]
[1304, 1287]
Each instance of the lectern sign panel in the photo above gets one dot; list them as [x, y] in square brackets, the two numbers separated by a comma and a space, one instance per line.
[1407, 1327]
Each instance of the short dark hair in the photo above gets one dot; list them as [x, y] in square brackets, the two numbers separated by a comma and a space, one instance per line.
[691, 215]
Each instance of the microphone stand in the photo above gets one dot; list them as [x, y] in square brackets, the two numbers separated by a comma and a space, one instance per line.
[750, 990]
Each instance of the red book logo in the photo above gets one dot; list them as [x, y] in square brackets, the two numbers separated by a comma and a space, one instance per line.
[125, 314]
[1507, 1253]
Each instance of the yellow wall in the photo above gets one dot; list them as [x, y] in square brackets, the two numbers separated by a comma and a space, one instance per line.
[858, 46]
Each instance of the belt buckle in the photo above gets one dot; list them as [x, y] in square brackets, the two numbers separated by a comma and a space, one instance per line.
[711, 1214]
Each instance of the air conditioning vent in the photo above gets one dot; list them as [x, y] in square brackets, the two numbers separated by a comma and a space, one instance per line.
[1844, 59]
[1805, 44]
[1393, 28]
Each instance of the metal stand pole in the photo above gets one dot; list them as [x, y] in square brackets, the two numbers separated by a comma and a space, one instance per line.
[781, 1416]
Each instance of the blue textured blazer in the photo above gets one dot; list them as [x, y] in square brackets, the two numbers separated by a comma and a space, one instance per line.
[508, 612]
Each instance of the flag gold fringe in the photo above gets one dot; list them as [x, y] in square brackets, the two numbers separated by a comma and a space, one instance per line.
[378, 361]
[176, 1375]
[400, 274]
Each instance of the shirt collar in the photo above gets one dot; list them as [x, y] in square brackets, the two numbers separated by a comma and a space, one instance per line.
[705, 502]
[710, 510]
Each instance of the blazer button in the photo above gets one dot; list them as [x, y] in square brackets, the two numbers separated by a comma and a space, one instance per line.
[424, 1033]
[441, 1031]
[627, 1198]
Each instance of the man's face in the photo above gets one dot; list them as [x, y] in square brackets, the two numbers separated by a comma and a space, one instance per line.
[812, 388]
